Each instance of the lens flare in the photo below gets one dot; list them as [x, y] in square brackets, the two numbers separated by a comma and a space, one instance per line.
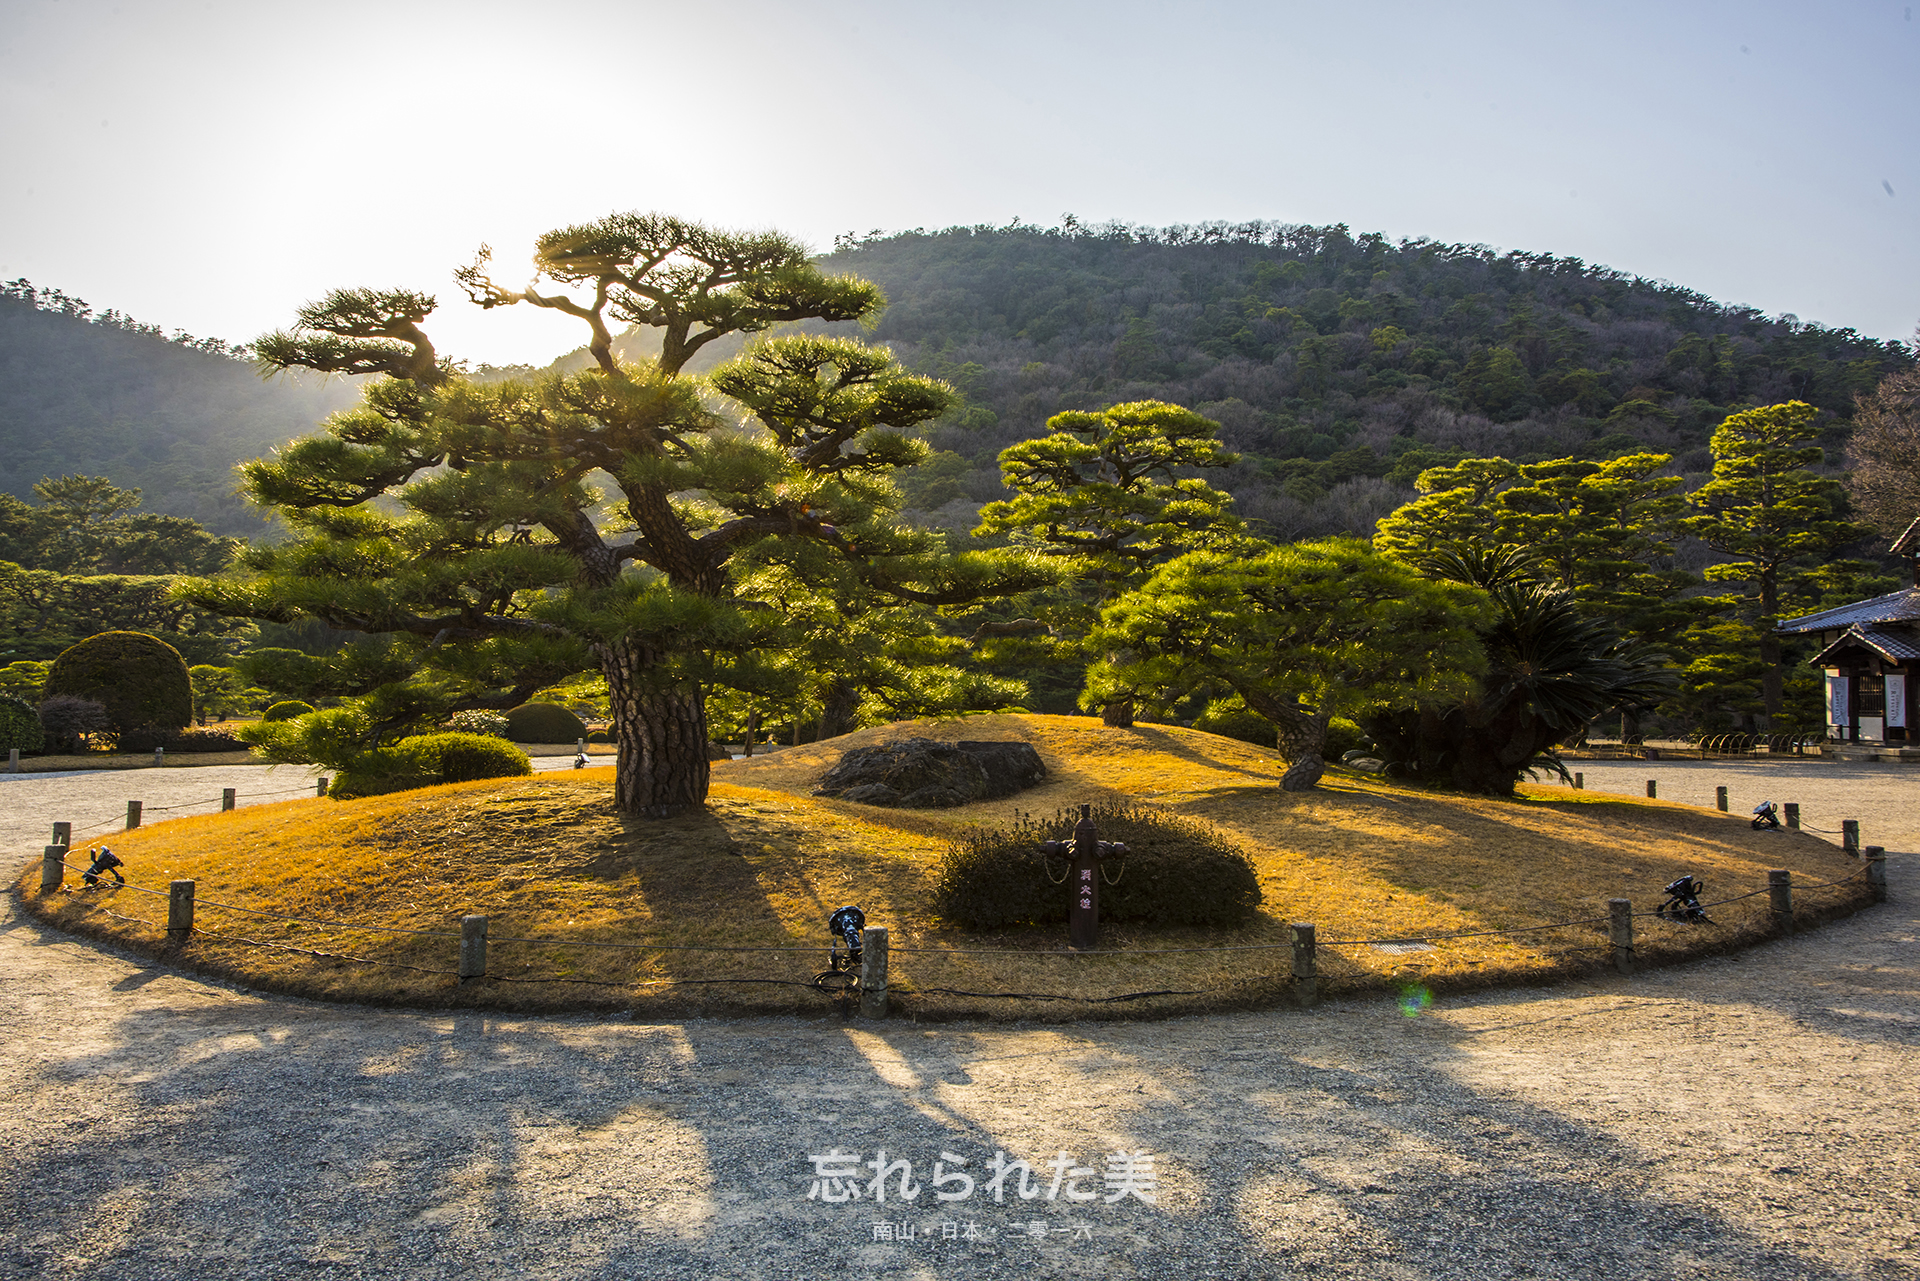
[1415, 1001]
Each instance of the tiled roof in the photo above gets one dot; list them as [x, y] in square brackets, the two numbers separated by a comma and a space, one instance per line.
[1909, 542]
[1902, 606]
[1896, 644]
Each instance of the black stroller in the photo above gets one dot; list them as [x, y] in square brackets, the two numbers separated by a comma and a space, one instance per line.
[1765, 817]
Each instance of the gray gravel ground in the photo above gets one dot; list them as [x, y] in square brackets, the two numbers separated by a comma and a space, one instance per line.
[1752, 1117]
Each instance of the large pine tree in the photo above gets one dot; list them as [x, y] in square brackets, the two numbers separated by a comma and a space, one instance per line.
[508, 532]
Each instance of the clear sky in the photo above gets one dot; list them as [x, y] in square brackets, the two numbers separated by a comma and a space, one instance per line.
[212, 165]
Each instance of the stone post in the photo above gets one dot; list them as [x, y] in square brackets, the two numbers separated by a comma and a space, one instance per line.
[1780, 897]
[873, 972]
[1620, 933]
[473, 948]
[1306, 974]
[179, 912]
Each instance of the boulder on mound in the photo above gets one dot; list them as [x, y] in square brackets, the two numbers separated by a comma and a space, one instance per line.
[919, 773]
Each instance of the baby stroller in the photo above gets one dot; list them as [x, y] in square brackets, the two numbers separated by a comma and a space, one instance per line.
[1765, 817]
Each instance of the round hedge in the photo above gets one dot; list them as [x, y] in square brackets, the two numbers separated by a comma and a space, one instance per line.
[544, 723]
[142, 682]
[1177, 871]
[20, 725]
[428, 759]
[286, 710]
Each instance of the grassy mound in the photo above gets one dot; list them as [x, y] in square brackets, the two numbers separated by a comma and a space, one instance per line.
[547, 858]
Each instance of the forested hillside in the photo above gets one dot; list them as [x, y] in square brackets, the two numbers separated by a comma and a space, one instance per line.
[104, 395]
[1339, 365]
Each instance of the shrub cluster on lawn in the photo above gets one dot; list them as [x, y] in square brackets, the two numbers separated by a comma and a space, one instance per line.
[20, 725]
[544, 723]
[185, 741]
[427, 759]
[286, 710]
[1177, 871]
[67, 719]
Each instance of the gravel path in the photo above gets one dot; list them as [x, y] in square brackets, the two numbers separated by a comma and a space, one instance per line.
[1741, 1118]
[95, 801]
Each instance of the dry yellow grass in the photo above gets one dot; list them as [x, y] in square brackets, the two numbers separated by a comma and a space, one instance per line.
[547, 858]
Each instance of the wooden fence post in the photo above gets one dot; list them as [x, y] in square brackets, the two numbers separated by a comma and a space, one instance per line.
[1780, 896]
[1877, 872]
[13, 760]
[1653, 790]
[53, 868]
[1579, 781]
[63, 833]
[1850, 836]
[179, 912]
[1306, 973]
[1620, 933]
[320, 785]
[133, 815]
[473, 948]
[226, 799]
[873, 973]
[1720, 798]
[1793, 815]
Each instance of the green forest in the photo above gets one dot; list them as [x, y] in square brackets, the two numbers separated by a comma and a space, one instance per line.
[1338, 365]
[101, 394]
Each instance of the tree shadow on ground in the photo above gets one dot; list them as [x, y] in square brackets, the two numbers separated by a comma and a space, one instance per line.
[246, 1135]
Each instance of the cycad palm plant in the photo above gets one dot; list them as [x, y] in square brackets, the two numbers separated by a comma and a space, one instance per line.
[1550, 670]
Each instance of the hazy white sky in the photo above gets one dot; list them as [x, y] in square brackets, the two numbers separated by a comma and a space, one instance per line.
[211, 165]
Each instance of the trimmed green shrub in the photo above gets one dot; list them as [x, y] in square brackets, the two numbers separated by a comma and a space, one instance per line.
[375, 773]
[1177, 871]
[141, 681]
[600, 736]
[544, 723]
[287, 710]
[20, 725]
[428, 759]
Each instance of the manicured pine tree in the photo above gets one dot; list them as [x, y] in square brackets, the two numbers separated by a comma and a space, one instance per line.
[1105, 494]
[1303, 633]
[510, 533]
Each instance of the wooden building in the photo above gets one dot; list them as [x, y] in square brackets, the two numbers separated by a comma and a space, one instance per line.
[1870, 652]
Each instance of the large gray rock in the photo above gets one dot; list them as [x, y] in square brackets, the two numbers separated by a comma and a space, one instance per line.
[919, 773]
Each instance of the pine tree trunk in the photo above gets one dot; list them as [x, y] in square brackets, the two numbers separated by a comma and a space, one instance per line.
[1119, 715]
[753, 728]
[1302, 740]
[1771, 693]
[662, 768]
[836, 714]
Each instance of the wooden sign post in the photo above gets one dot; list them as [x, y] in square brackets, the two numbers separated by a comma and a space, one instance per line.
[1084, 855]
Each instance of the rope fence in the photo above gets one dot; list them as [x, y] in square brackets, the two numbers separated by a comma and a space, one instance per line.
[871, 984]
